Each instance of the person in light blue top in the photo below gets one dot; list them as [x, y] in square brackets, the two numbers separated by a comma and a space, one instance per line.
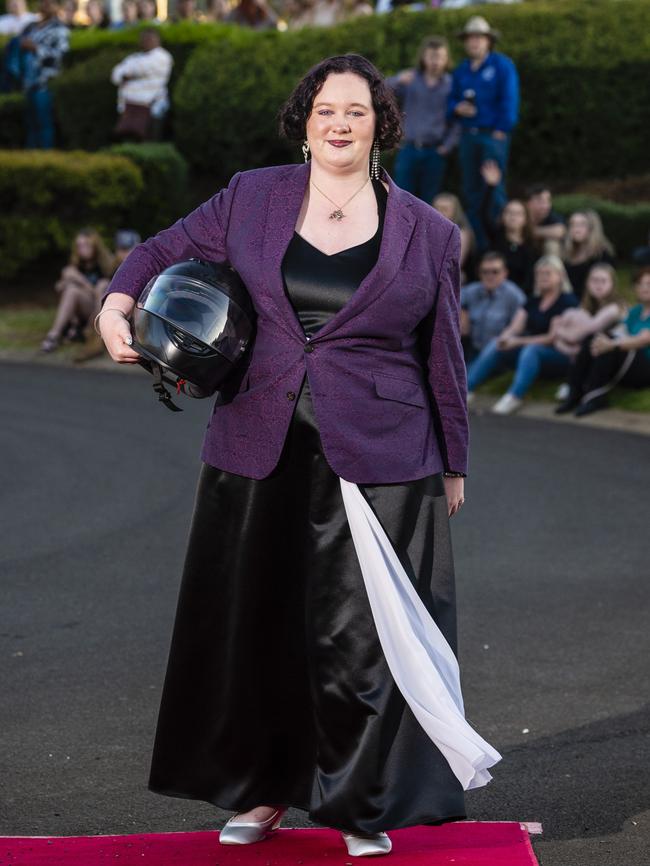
[485, 98]
[488, 305]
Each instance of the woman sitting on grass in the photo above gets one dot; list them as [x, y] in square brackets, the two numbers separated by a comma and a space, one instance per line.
[606, 360]
[526, 343]
[81, 285]
[449, 206]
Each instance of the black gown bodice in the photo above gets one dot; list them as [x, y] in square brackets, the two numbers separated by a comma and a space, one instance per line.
[319, 285]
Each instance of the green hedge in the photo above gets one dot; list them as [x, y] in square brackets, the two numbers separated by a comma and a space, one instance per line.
[165, 193]
[582, 65]
[625, 225]
[12, 120]
[46, 196]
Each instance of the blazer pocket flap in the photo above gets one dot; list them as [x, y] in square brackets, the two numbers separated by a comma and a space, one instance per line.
[402, 390]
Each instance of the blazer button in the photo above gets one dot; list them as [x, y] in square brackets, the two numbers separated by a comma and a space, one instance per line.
[309, 348]
[291, 395]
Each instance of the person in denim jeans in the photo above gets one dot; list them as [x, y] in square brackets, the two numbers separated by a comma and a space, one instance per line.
[485, 96]
[42, 46]
[526, 343]
[429, 137]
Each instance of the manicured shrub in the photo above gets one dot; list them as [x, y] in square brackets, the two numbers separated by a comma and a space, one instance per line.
[164, 197]
[46, 196]
[86, 101]
[12, 120]
[581, 65]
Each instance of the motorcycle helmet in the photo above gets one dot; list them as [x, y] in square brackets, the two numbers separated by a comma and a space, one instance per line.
[195, 321]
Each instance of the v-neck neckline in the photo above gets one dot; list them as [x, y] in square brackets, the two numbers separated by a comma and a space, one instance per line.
[381, 211]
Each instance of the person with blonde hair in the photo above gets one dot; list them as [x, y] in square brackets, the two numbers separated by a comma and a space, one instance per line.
[82, 282]
[449, 206]
[585, 245]
[429, 135]
[612, 356]
[527, 342]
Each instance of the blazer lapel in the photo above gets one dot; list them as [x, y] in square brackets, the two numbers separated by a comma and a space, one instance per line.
[286, 199]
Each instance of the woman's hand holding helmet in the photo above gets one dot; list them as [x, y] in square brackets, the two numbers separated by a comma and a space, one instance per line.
[114, 329]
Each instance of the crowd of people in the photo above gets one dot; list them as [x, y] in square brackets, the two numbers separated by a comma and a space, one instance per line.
[539, 292]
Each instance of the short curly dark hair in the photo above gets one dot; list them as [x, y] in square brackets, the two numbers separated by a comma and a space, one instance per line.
[295, 111]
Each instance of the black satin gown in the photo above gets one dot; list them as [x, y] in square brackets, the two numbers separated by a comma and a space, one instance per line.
[277, 690]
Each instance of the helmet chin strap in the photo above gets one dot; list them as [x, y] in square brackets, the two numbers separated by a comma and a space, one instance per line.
[163, 394]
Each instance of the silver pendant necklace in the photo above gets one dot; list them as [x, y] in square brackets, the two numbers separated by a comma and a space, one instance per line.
[338, 213]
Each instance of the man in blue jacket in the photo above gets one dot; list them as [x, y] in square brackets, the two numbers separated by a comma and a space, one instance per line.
[485, 97]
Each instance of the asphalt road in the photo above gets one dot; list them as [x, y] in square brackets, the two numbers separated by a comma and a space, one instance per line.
[96, 489]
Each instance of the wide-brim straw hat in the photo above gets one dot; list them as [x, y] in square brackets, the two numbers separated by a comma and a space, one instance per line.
[477, 25]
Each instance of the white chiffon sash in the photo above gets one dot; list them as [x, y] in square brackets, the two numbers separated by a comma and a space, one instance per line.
[421, 661]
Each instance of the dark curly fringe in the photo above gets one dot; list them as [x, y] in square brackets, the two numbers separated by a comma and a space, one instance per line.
[293, 115]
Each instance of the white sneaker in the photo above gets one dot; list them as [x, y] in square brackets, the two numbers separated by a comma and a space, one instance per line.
[507, 404]
[470, 397]
[563, 392]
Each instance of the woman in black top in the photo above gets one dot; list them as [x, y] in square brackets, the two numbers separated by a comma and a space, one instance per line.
[585, 245]
[526, 344]
[510, 233]
[80, 286]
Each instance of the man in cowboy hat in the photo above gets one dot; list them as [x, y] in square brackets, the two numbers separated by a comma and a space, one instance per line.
[485, 97]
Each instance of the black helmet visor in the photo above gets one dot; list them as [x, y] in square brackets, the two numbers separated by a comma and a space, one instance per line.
[199, 309]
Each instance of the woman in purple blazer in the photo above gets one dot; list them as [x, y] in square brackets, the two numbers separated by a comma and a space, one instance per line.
[313, 661]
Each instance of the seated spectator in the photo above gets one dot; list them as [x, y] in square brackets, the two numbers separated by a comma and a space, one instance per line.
[42, 46]
[186, 11]
[511, 232]
[319, 13]
[489, 305]
[526, 343]
[16, 18]
[429, 136]
[548, 225]
[126, 240]
[449, 206]
[148, 11]
[69, 14]
[97, 15]
[216, 10]
[608, 359]
[585, 244]
[129, 15]
[142, 98]
[255, 14]
[81, 285]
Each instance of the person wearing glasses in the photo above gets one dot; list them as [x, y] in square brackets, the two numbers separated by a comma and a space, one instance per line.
[488, 305]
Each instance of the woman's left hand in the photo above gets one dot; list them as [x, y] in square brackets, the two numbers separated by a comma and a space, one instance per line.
[455, 490]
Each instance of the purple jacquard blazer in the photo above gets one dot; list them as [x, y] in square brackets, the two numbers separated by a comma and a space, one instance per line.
[387, 410]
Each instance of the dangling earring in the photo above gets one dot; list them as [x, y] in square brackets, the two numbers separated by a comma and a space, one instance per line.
[374, 160]
[305, 150]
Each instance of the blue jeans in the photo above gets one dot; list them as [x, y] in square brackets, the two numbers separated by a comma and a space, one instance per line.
[420, 170]
[39, 118]
[529, 362]
[475, 148]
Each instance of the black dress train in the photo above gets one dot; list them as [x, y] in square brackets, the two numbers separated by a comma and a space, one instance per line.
[277, 690]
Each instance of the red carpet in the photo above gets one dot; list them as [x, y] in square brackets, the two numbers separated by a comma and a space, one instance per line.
[463, 843]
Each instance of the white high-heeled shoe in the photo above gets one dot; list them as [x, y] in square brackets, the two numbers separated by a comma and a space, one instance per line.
[248, 832]
[367, 846]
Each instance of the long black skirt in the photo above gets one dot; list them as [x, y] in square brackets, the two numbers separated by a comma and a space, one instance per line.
[277, 690]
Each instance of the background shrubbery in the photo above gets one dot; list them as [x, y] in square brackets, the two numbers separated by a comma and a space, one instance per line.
[584, 67]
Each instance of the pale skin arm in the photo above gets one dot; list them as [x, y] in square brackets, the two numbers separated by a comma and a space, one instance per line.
[115, 330]
[601, 343]
[455, 492]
